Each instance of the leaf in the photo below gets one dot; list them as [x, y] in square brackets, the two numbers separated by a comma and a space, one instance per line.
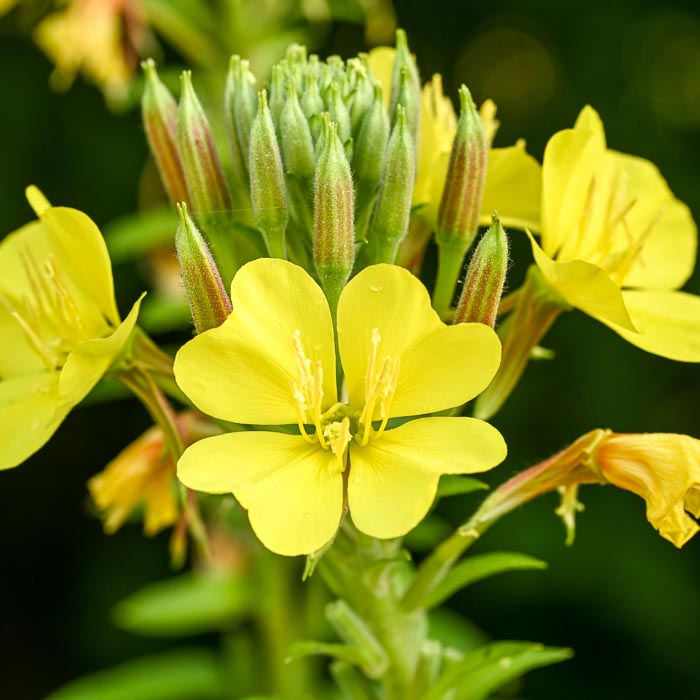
[188, 604]
[185, 674]
[454, 485]
[135, 234]
[479, 567]
[302, 648]
[491, 667]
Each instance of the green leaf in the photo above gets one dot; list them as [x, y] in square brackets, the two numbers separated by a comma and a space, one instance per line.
[188, 604]
[303, 647]
[479, 567]
[185, 674]
[489, 668]
[133, 235]
[454, 485]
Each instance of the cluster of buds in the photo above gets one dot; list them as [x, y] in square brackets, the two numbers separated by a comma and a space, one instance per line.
[323, 167]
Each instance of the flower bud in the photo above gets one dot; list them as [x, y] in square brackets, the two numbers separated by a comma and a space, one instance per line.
[362, 92]
[298, 158]
[460, 206]
[241, 103]
[334, 238]
[206, 186]
[267, 188]
[369, 149]
[203, 172]
[338, 112]
[312, 105]
[410, 100]
[208, 299]
[278, 90]
[486, 276]
[404, 61]
[160, 121]
[393, 208]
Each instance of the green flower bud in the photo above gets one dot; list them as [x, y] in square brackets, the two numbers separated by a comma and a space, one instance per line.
[392, 211]
[206, 186]
[405, 90]
[460, 206]
[209, 302]
[298, 158]
[160, 121]
[204, 175]
[278, 91]
[335, 106]
[241, 104]
[362, 96]
[369, 151]
[312, 105]
[334, 238]
[486, 276]
[267, 188]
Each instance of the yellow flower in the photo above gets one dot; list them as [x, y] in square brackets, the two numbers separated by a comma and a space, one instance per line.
[513, 180]
[59, 323]
[662, 468]
[273, 362]
[92, 36]
[144, 473]
[616, 243]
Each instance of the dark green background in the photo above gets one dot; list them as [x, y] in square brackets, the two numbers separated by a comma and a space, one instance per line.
[626, 600]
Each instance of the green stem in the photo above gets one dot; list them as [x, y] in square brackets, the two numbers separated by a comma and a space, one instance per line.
[450, 260]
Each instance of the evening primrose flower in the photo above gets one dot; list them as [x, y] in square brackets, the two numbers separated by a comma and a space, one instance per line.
[272, 362]
[59, 322]
[616, 243]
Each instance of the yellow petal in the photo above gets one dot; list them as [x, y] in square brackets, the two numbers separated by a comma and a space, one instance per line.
[666, 226]
[570, 161]
[393, 480]
[589, 120]
[585, 286]
[513, 188]
[381, 63]
[292, 489]
[668, 323]
[87, 363]
[662, 468]
[243, 370]
[17, 356]
[28, 416]
[82, 258]
[440, 366]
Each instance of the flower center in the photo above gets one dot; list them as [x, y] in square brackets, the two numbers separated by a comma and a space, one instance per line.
[336, 426]
[48, 316]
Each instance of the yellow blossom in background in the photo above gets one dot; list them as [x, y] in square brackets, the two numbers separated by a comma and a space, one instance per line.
[59, 323]
[513, 180]
[144, 474]
[7, 5]
[616, 243]
[95, 37]
[272, 362]
[662, 468]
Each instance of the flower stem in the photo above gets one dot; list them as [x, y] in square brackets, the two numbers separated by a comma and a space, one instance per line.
[450, 260]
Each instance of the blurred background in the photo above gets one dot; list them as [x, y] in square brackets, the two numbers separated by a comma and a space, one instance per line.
[623, 598]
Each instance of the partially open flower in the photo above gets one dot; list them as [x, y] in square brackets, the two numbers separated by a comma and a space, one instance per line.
[144, 474]
[60, 325]
[662, 468]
